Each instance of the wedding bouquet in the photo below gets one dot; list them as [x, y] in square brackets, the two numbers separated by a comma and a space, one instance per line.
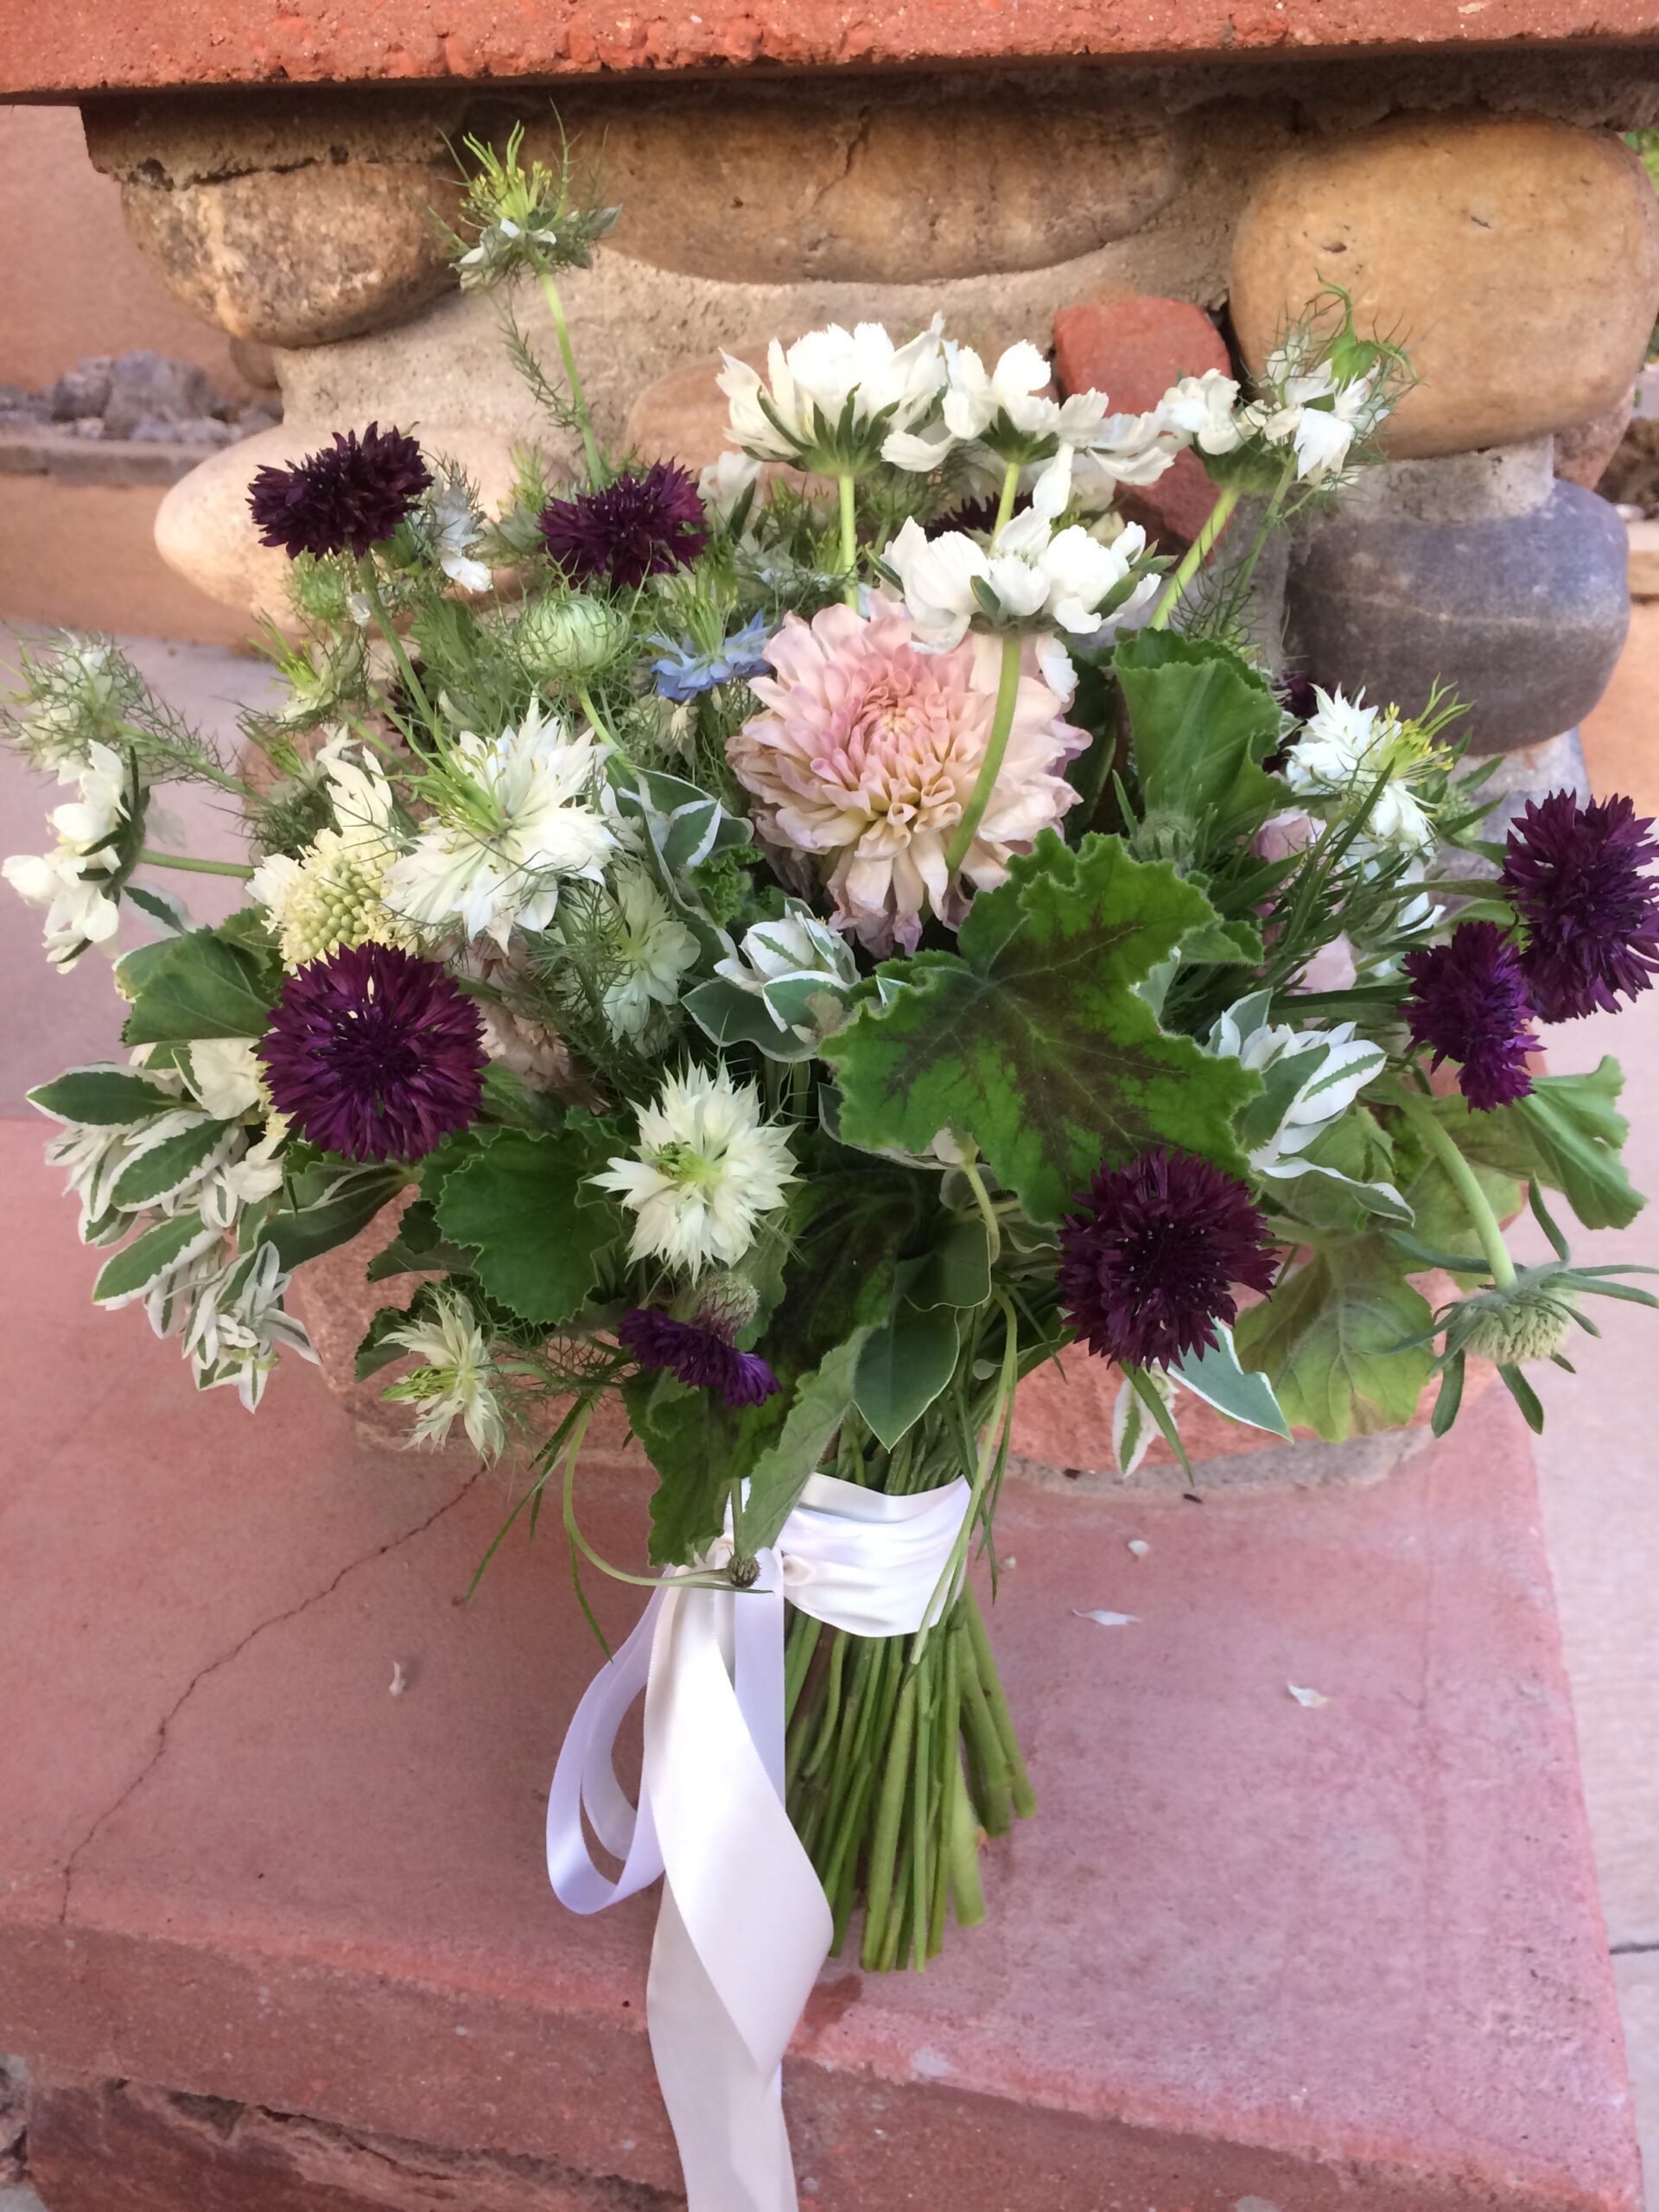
[805, 947]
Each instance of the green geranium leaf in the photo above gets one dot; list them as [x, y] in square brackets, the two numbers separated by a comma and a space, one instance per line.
[1566, 1133]
[136, 1268]
[1329, 1340]
[1201, 722]
[108, 1096]
[183, 987]
[1033, 1041]
[417, 1246]
[541, 1231]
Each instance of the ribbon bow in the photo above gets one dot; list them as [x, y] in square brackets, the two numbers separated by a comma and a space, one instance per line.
[744, 1925]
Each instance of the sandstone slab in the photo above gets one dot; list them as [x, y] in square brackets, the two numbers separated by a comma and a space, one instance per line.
[205, 534]
[87, 45]
[295, 256]
[1517, 260]
[896, 181]
[1524, 616]
[1248, 1950]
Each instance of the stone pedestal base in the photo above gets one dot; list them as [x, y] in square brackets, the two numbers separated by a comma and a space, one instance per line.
[1252, 1951]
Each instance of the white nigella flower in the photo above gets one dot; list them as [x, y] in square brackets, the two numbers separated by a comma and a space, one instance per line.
[1205, 411]
[652, 949]
[451, 524]
[455, 1380]
[795, 414]
[80, 910]
[332, 894]
[1342, 749]
[1034, 574]
[516, 816]
[707, 1167]
[1317, 413]
[238, 1329]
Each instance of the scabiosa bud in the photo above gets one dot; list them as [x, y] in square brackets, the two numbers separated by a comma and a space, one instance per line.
[1575, 876]
[1469, 1003]
[345, 498]
[1511, 1327]
[1150, 1254]
[375, 1053]
[638, 526]
[705, 1358]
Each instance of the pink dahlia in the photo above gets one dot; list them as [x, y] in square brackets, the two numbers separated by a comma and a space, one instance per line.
[866, 760]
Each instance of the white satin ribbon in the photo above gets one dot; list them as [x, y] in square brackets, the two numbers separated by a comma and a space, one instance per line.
[744, 1925]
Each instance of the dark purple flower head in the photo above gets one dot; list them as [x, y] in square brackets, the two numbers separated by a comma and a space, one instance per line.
[702, 1357]
[1575, 876]
[343, 500]
[375, 1053]
[638, 526]
[1149, 1257]
[1469, 1003]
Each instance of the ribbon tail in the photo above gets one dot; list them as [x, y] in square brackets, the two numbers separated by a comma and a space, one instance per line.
[727, 2117]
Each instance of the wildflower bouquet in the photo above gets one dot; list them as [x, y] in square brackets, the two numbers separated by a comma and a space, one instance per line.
[803, 947]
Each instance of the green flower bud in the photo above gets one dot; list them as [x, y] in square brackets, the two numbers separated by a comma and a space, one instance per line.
[1511, 1328]
[571, 637]
[728, 1304]
[1166, 833]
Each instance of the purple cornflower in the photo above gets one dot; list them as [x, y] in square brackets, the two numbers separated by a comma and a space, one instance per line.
[345, 498]
[637, 526]
[1149, 1256]
[375, 1053]
[1575, 876]
[1469, 1003]
[702, 1357]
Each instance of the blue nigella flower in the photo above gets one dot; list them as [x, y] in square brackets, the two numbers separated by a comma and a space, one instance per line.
[683, 671]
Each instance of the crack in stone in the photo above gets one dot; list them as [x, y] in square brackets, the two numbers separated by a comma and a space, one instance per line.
[1630, 1950]
[225, 1659]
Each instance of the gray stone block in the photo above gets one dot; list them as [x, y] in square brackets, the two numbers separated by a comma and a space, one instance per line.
[1524, 616]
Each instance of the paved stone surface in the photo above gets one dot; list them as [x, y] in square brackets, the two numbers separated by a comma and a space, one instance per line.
[88, 44]
[84, 554]
[1248, 1949]
[1524, 616]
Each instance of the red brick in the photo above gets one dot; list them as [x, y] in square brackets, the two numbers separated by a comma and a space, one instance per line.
[1133, 346]
[75, 46]
[1349, 1955]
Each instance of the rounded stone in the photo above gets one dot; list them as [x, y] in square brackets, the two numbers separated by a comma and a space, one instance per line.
[1517, 259]
[203, 531]
[296, 256]
[1584, 450]
[1522, 616]
[896, 182]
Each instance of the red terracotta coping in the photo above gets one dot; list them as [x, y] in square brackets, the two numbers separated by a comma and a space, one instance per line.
[1250, 1953]
[64, 47]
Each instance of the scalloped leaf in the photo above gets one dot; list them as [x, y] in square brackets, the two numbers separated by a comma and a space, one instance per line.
[1033, 1041]
[522, 1203]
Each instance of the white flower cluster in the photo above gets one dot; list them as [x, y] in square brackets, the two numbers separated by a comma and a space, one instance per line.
[71, 880]
[1033, 575]
[332, 894]
[1344, 745]
[455, 1380]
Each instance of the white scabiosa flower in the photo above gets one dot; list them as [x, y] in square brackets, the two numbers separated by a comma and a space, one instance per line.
[450, 525]
[708, 1168]
[455, 1380]
[860, 377]
[1033, 574]
[332, 894]
[516, 816]
[1203, 412]
[724, 482]
[653, 949]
